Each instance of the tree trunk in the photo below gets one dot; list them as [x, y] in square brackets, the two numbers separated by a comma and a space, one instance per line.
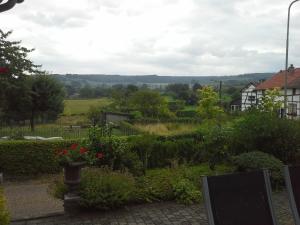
[32, 121]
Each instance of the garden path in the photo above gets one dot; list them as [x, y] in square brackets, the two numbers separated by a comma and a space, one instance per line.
[31, 200]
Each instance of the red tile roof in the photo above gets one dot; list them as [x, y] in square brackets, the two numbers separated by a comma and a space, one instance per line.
[277, 81]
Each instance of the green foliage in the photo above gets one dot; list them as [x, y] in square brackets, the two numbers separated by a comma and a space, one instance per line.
[47, 96]
[4, 215]
[175, 106]
[216, 145]
[102, 189]
[186, 113]
[14, 92]
[161, 152]
[268, 133]
[186, 192]
[208, 104]
[271, 102]
[136, 115]
[30, 158]
[150, 104]
[96, 115]
[258, 160]
[116, 152]
[182, 184]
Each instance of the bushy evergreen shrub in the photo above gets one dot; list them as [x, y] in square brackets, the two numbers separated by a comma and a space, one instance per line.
[258, 160]
[266, 133]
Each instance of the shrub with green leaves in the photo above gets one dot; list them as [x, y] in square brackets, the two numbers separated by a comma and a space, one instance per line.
[258, 160]
[157, 152]
[102, 189]
[267, 133]
[4, 215]
[30, 158]
[116, 153]
[186, 192]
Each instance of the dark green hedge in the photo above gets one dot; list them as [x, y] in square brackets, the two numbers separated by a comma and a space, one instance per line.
[27, 158]
[187, 113]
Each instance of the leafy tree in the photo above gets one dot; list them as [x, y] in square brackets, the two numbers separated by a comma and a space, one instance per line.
[196, 86]
[209, 103]
[95, 115]
[150, 103]
[87, 92]
[47, 96]
[180, 91]
[271, 102]
[121, 95]
[14, 89]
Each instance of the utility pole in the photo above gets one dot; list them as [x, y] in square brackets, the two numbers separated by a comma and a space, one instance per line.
[287, 58]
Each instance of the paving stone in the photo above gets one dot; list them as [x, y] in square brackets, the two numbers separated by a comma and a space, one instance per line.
[154, 214]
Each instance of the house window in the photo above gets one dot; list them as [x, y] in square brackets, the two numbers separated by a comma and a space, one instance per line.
[251, 98]
[294, 91]
[292, 109]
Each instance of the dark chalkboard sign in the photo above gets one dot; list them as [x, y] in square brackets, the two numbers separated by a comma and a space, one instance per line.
[239, 199]
[292, 179]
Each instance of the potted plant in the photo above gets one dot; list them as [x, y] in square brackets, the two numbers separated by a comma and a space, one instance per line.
[73, 159]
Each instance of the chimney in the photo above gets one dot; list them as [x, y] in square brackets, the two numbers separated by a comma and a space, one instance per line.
[291, 69]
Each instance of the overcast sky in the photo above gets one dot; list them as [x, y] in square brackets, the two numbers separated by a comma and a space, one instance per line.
[164, 37]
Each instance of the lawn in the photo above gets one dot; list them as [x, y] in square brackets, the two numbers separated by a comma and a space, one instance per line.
[81, 106]
[166, 129]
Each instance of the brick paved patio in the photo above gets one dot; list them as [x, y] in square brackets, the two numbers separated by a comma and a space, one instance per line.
[153, 214]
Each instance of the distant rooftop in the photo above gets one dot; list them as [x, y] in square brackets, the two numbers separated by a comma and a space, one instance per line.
[278, 80]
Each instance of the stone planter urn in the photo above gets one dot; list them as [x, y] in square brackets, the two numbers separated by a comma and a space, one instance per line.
[72, 180]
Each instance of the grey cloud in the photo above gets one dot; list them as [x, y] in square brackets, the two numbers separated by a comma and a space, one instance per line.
[216, 36]
[58, 19]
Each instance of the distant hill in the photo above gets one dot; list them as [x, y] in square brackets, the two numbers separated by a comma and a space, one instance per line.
[155, 80]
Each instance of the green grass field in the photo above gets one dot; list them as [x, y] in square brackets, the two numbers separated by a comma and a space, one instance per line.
[79, 107]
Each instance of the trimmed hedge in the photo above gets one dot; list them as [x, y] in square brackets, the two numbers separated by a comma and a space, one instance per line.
[187, 113]
[27, 158]
[31, 158]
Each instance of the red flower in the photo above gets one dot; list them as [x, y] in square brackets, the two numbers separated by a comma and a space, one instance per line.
[73, 146]
[64, 152]
[3, 70]
[100, 155]
[83, 150]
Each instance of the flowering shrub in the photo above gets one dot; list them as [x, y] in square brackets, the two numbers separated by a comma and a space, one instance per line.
[78, 153]
[113, 152]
